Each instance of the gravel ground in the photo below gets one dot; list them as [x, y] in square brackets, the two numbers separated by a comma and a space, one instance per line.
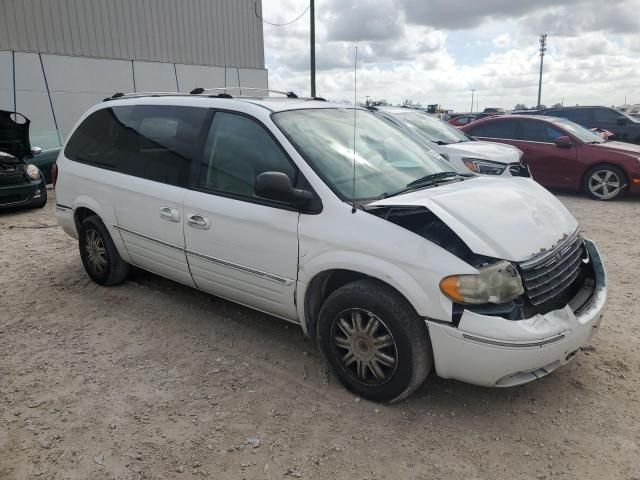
[150, 379]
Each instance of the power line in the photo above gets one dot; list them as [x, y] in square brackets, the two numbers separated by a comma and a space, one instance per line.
[255, 7]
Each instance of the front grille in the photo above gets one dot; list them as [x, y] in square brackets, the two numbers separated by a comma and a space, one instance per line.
[12, 175]
[549, 275]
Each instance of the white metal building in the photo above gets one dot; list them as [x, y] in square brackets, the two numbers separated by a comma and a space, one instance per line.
[58, 57]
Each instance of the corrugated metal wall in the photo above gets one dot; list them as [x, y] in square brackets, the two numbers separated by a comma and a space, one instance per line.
[197, 32]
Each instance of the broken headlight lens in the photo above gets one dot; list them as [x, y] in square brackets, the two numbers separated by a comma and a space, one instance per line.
[498, 283]
[484, 167]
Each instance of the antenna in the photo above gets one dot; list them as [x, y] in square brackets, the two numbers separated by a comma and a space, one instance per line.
[355, 111]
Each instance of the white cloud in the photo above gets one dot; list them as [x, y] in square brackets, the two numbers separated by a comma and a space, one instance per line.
[502, 41]
[416, 49]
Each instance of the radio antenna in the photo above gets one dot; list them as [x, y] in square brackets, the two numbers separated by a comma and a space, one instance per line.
[355, 110]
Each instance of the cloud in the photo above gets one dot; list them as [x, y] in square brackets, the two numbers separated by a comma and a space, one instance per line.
[434, 51]
[502, 41]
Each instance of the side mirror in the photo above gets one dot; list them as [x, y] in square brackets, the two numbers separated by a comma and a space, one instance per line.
[36, 151]
[277, 186]
[563, 142]
[621, 121]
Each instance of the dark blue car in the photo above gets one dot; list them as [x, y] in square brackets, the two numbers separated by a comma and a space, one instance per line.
[22, 184]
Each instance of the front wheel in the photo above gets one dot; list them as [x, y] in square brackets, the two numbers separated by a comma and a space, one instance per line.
[374, 341]
[605, 182]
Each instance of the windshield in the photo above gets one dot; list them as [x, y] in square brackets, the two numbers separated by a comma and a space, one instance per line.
[631, 117]
[578, 131]
[433, 129]
[386, 158]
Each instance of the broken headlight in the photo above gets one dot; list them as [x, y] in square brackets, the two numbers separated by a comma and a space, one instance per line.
[498, 283]
[484, 167]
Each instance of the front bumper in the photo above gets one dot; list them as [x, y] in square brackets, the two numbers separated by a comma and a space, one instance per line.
[24, 195]
[496, 352]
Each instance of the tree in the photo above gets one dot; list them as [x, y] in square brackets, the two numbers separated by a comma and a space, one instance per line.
[410, 103]
[520, 106]
[557, 105]
[376, 103]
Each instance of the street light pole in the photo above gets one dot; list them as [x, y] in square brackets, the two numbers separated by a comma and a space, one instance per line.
[543, 49]
[312, 10]
[473, 91]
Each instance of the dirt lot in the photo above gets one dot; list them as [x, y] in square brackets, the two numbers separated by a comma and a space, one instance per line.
[154, 380]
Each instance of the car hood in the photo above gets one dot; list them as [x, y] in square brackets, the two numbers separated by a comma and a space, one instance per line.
[512, 219]
[622, 147]
[14, 137]
[497, 152]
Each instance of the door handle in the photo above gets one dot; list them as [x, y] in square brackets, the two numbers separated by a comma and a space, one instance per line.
[198, 221]
[171, 214]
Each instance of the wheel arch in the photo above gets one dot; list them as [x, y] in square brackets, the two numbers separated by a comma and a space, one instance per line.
[326, 282]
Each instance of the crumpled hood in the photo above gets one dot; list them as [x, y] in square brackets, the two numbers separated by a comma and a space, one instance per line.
[507, 218]
[14, 137]
[497, 152]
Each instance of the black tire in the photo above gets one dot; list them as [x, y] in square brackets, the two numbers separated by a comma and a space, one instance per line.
[373, 300]
[596, 176]
[105, 266]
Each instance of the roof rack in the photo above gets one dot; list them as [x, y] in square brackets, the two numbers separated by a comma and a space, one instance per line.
[199, 91]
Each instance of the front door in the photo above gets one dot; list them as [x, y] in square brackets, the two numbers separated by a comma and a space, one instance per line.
[549, 164]
[239, 246]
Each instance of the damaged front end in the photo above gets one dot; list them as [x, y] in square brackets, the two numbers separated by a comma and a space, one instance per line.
[562, 296]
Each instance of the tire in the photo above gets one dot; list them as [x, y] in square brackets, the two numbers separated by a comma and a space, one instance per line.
[388, 354]
[605, 182]
[99, 255]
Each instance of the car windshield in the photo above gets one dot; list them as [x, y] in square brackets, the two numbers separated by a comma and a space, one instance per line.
[631, 117]
[433, 129]
[387, 160]
[578, 131]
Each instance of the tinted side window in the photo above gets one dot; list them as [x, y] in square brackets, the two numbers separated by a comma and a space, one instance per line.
[534, 131]
[156, 142]
[605, 115]
[578, 115]
[238, 150]
[496, 129]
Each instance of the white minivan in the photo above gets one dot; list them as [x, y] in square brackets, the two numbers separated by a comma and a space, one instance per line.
[465, 153]
[395, 264]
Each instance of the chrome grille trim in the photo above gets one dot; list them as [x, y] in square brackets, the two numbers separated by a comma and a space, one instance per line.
[549, 274]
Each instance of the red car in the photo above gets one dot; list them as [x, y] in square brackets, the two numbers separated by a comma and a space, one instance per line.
[563, 154]
[462, 120]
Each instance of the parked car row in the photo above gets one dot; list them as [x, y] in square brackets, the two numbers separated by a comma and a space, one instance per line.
[344, 221]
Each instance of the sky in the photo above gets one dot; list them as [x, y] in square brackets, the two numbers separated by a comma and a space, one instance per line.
[436, 51]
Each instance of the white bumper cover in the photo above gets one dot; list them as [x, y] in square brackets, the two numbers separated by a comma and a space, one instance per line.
[496, 352]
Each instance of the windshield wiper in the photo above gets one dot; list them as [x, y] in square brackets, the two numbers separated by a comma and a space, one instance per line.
[426, 181]
[431, 179]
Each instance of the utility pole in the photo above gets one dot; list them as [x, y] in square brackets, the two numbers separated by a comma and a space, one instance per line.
[473, 91]
[312, 10]
[543, 49]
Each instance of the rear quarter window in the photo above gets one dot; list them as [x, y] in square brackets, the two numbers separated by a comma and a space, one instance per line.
[495, 129]
[155, 142]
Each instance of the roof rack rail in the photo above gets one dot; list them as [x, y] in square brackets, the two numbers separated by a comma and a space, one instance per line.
[197, 91]
[118, 95]
[200, 91]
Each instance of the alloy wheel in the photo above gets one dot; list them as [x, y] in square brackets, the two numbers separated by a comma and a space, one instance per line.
[605, 184]
[96, 252]
[364, 346]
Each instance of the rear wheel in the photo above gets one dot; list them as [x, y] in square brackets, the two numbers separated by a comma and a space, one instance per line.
[99, 254]
[374, 341]
[605, 182]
